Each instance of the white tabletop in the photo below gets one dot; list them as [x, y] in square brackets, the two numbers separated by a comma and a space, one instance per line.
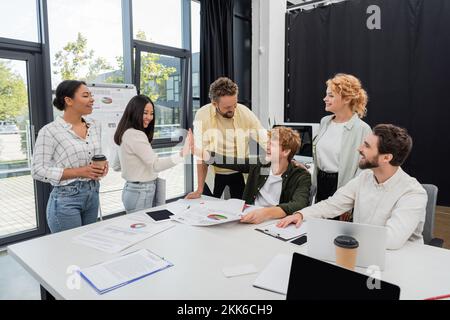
[200, 253]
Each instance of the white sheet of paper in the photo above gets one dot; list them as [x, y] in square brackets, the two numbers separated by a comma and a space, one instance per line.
[202, 217]
[206, 212]
[236, 271]
[117, 272]
[231, 205]
[275, 277]
[138, 216]
[122, 234]
[179, 206]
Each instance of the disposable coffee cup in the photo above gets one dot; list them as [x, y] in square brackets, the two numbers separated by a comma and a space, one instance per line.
[346, 251]
[99, 161]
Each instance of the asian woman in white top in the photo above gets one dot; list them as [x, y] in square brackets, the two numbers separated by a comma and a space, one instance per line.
[336, 154]
[137, 160]
[62, 157]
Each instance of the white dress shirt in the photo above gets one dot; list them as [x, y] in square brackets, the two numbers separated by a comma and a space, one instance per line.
[399, 204]
[58, 147]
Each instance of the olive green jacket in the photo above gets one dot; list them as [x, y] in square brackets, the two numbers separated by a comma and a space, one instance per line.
[296, 185]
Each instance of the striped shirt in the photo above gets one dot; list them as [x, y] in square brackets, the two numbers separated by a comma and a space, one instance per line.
[58, 147]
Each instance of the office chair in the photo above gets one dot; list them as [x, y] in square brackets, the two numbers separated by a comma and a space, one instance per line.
[428, 228]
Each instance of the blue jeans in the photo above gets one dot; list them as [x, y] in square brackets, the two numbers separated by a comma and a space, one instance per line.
[73, 205]
[138, 196]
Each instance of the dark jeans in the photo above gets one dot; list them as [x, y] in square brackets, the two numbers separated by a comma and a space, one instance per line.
[234, 181]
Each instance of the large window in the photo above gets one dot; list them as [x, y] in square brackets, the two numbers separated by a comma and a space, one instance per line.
[18, 210]
[18, 20]
[22, 213]
[175, 176]
[87, 45]
[161, 72]
[158, 21]
[86, 40]
[160, 68]
[195, 36]
[161, 81]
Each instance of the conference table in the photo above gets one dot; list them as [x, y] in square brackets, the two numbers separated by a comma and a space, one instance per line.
[199, 254]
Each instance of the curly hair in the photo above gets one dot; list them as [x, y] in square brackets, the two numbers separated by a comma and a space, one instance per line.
[348, 86]
[222, 87]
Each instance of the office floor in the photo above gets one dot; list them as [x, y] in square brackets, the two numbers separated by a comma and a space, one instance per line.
[17, 284]
[442, 225]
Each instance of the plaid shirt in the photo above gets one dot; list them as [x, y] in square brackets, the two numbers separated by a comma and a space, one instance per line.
[58, 147]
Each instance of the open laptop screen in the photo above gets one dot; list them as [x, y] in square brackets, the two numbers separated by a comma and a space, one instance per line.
[312, 279]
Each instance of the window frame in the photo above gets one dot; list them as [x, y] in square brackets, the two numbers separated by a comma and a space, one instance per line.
[40, 95]
[37, 56]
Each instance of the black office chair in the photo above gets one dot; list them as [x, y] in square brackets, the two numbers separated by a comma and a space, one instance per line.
[428, 229]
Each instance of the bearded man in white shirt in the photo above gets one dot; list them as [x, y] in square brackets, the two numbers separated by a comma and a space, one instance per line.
[384, 195]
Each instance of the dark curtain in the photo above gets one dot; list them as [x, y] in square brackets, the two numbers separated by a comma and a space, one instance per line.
[404, 66]
[216, 44]
[242, 42]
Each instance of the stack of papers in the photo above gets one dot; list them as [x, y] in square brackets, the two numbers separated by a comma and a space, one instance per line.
[119, 272]
[122, 234]
[206, 212]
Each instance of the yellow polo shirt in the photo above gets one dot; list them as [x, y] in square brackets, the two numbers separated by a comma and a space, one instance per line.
[229, 137]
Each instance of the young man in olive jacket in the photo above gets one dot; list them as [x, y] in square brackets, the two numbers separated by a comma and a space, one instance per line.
[274, 184]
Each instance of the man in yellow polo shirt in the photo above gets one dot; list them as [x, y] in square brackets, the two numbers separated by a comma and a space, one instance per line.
[225, 127]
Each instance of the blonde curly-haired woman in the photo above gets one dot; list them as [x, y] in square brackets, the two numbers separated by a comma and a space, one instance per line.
[336, 145]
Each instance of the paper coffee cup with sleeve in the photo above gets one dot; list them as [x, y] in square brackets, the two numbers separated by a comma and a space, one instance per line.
[346, 251]
[99, 161]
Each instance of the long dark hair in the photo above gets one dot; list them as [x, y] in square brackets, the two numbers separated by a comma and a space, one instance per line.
[133, 117]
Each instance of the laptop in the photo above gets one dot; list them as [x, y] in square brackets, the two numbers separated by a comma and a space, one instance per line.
[372, 241]
[312, 279]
